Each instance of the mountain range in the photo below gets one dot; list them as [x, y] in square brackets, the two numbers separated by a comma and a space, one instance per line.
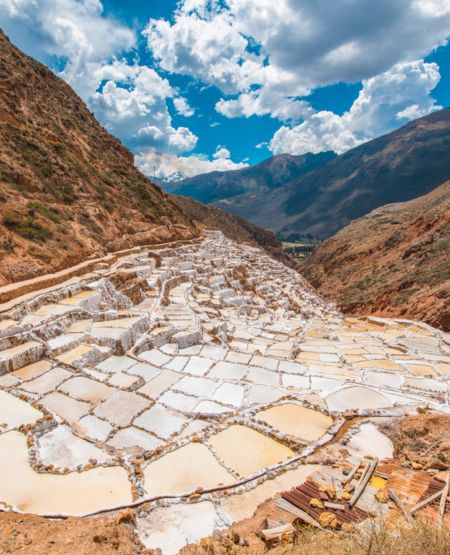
[396, 167]
[254, 180]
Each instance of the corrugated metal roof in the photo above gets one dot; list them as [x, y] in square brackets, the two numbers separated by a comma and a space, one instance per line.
[410, 485]
[300, 496]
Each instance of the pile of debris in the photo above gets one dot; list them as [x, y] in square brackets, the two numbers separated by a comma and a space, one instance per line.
[354, 490]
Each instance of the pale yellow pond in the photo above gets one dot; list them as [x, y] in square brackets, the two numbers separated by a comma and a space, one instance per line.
[246, 451]
[296, 420]
[184, 470]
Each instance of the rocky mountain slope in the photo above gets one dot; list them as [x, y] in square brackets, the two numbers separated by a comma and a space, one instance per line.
[255, 180]
[397, 167]
[394, 261]
[233, 227]
[68, 189]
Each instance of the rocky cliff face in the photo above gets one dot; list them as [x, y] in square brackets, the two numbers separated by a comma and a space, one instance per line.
[394, 261]
[68, 189]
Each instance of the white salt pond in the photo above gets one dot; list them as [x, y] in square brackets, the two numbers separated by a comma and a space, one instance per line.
[73, 493]
[171, 528]
[358, 398]
[14, 412]
[370, 441]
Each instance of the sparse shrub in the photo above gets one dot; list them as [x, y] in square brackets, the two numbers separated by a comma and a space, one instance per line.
[7, 244]
[48, 213]
[28, 229]
[378, 537]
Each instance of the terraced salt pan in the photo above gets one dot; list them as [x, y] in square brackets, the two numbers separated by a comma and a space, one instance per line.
[65, 407]
[132, 437]
[210, 407]
[246, 451]
[184, 470]
[116, 364]
[15, 357]
[52, 310]
[228, 371]
[298, 382]
[239, 507]
[121, 408]
[263, 377]
[161, 421]
[78, 297]
[421, 370]
[178, 401]
[33, 370]
[296, 421]
[93, 427]
[76, 354]
[146, 371]
[230, 394]
[171, 528]
[382, 364]
[64, 342]
[370, 441]
[157, 385]
[63, 449]
[200, 387]
[74, 493]
[14, 412]
[123, 381]
[47, 382]
[155, 357]
[85, 389]
[357, 398]
[198, 366]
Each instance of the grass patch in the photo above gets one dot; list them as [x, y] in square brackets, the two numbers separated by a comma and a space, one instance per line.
[28, 229]
[48, 213]
[372, 537]
[375, 537]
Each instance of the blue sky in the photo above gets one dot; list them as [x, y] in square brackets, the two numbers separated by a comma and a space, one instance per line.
[197, 85]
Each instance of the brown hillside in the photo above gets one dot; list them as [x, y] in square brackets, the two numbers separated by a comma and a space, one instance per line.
[233, 227]
[393, 262]
[68, 189]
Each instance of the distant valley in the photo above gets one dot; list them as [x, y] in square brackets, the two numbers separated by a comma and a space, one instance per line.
[397, 167]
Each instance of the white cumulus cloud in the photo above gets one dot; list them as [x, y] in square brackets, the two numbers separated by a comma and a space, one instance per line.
[76, 31]
[134, 107]
[182, 107]
[264, 55]
[163, 164]
[222, 153]
[384, 102]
